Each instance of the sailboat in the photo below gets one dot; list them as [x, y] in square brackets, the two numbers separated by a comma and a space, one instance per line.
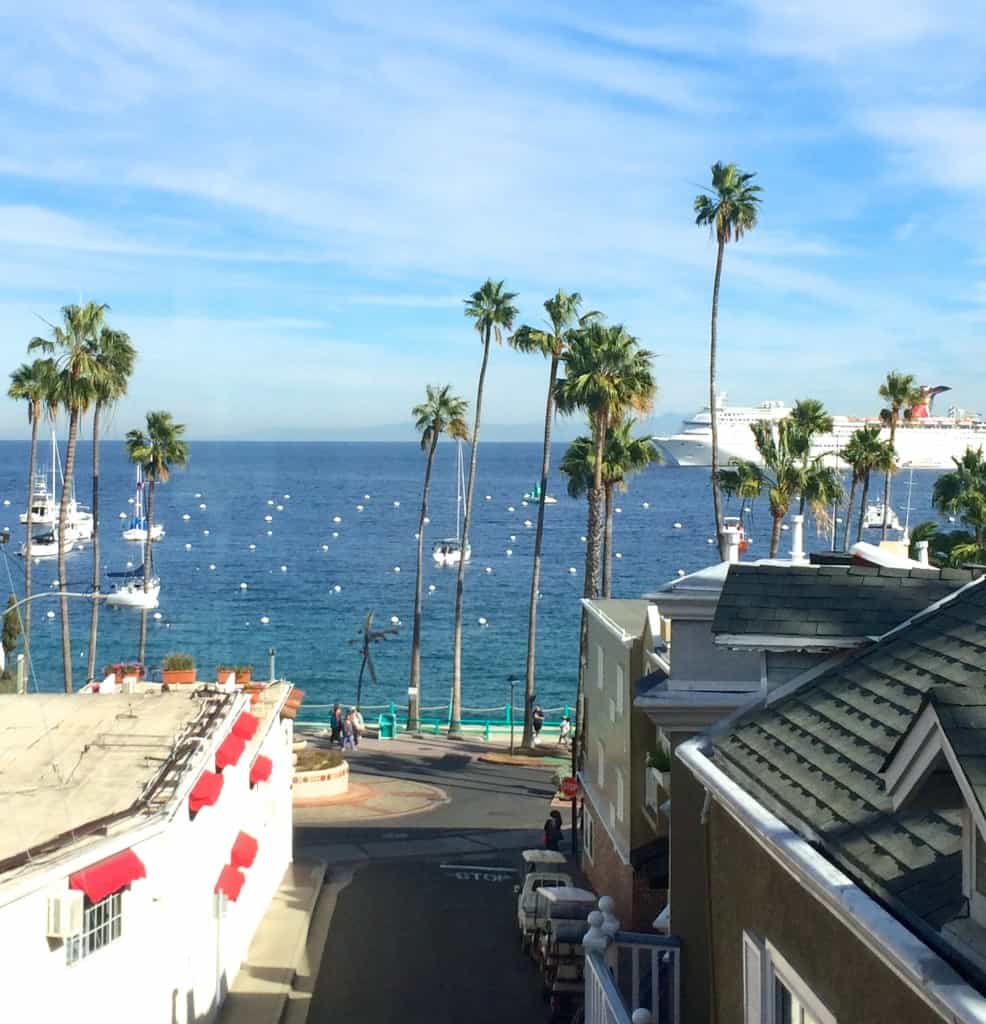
[128, 590]
[534, 495]
[136, 529]
[450, 550]
[45, 504]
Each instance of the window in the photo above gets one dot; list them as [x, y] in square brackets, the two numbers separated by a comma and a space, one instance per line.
[600, 763]
[773, 992]
[619, 795]
[587, 837]
[980, 861]
[620, 683]
[101, 925]
[600, 667]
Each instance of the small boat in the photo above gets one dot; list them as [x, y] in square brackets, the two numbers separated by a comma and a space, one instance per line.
[45, 502]
[128, 590]
[136, 528]
[451, 550]
[45, 545]
[873, 518]
[534, 495]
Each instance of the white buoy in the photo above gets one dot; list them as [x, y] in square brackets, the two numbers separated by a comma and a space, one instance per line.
[528, 524]
[205, 533]
[397, 504]
[524, 504]
[202, 506]
[513, 538]
[510, 508]
[337, 589]
[394, 620]
[681, 572]
[582, 539]
[243, 586]
[335, 533]
[431, 588]
[572, 570]
[397, 568]
[784, 526]
[157, 616]
[677, 526]
[481, 620]
[488, 569]
[646, 504]
[280, 508]
[416, 535]
[198, 494]
[6, 501]
[284, 568]
[253, 547]
[337, 519]
[270, 501]
[130, 565]
[359, 508]
[186, 517]
[287, 497]
[710, 540]
[264, 620]
[188, 547]
[270, 533]
[489, 497]
[427, 520]
[51, 615]
[619, 554]
[618, 509]
[746, 508]
[212, 567]
[123, 515]
[510, 551]
[130, 501]
[268, 519]
[325, 547]
[366, 497]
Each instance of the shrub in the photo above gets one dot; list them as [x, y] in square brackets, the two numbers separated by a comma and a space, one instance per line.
[317, 759]
[659, 759]
[178, 661]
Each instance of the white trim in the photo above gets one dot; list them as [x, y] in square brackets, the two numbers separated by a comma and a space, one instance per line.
[753, 970]
[780, 642]
[913, 761]
[595, 799]
[916, 964]
[778, 969]
[618, 631]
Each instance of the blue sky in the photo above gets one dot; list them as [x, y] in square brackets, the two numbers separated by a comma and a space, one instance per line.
[285, 205]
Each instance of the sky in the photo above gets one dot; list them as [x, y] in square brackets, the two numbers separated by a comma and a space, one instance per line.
[284, 205]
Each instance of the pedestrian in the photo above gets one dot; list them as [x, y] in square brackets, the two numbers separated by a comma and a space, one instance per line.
[537, 720]
[559, 830]
[358, 725]
[552, 835]
[348, 742]
[565, 732]
[336, 725]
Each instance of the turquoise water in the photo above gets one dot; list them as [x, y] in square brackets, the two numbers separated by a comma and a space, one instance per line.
[204, 611]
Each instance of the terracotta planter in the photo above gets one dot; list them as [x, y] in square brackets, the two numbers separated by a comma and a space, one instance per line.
[171, 676]
[244, 676]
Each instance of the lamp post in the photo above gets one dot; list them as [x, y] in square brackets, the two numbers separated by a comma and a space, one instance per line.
[511, 682]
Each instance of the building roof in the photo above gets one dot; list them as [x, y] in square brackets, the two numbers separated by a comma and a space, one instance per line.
[627, 614]
[827, 602]
[814, 755]
[961, 713]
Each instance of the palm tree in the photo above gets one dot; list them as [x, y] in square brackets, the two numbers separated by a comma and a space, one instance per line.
[884, 461]
[962, 492]
[564, 318]
[606, 373]
[33, 383]
[900, 393]
[810, 418]
[493, 311]
[157, 452]
[442, 411]
[115, 357]
[624, 455]
[863, 452]
[729, 208]
[75, 342]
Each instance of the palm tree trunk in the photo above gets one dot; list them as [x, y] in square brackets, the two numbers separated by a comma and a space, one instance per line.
[532, 609]
[73, 433]
[142, 648]
[94, 619]
[608, 540]
[775, 534]
[594, 537]
[852, 498]
[414, 684]
[713, 416]
[28, 561]
[886, 483]
[455, 722]
[862, 506]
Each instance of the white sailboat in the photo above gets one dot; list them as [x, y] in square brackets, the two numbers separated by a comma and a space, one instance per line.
[45, 544]
[873, 517]
[45, 504]
[450, 551]
[128, 590]
[136, 528]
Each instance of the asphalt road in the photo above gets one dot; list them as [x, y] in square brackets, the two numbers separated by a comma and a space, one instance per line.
[424, 928]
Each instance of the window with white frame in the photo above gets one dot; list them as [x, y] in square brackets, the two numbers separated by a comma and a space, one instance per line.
[587, 836]
[102, 923]
[600, 763]
[600, 667]
[619, 794]
[620, 683]
[773, 992]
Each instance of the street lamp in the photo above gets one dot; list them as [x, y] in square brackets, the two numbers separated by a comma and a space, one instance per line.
[511, 682]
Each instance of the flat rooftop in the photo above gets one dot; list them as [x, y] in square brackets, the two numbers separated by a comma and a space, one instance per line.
[69, 759]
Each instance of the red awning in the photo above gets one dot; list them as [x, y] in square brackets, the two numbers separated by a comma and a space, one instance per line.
[260, 769]
[229, 752]
[245, 726]
[108, 876]
[230, 882]
[244, 851]
[205, 792]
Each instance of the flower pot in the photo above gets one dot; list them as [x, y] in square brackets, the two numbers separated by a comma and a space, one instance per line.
[244, 676]
[172, 676]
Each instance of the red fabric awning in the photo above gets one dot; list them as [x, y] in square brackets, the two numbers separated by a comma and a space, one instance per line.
[245, 726]
[109, 875]
[229, 752]
[244, 851]
[205, 792]
[230, 882]
[260, 769]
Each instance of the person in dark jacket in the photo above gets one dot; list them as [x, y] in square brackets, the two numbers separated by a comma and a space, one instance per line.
[336, 725]
[552, 834]
[537, 720]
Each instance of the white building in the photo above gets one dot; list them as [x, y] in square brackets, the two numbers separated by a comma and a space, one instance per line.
[143, 837]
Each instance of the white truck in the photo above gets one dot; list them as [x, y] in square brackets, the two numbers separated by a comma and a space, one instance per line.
[543, 870]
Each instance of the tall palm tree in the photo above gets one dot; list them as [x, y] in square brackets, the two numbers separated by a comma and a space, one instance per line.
[441, 412]
[624, 456]
[33, 383]
[900, 393]
[606, 374]
[810, 418]
[729, 209]
[884, 460]
[862, 453]
[157, 452]
[115, 357]
[962, 492]
[74, 341]
[492, 310]
[564, 317]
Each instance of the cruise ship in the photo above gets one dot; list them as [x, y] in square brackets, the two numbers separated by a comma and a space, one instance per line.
[924, 441]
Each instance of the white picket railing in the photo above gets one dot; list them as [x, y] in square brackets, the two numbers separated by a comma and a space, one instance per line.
[603, 1004]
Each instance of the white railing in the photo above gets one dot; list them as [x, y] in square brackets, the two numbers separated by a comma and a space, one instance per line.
[650, 790]
[630, 977]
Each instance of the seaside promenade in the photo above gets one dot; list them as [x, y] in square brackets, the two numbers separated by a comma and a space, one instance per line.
[419, 859]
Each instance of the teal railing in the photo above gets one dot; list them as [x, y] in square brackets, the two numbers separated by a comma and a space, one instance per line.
[433, 719]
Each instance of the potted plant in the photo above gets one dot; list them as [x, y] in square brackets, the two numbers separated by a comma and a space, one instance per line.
[244, 674]
[124, 668]
[222, 672]
[659, 762]
[178, 668]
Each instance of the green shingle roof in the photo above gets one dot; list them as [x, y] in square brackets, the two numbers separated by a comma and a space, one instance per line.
[827, 601]
[814, 756]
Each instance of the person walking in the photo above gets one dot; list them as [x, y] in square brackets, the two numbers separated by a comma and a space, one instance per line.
[358, 725]
[559, 829]
[552, 833]
[336, 725]
[565, 733]
[537, 720]
[348, 731]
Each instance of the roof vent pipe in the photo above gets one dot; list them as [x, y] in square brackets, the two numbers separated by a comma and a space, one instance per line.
[732, 536]
[798, 539]
[921, 550]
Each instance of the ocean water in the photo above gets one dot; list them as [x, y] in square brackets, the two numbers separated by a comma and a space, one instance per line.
[291, 573]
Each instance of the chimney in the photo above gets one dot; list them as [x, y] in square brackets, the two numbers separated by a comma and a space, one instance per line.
[798, 540]
[732, 546]
[921, 548]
